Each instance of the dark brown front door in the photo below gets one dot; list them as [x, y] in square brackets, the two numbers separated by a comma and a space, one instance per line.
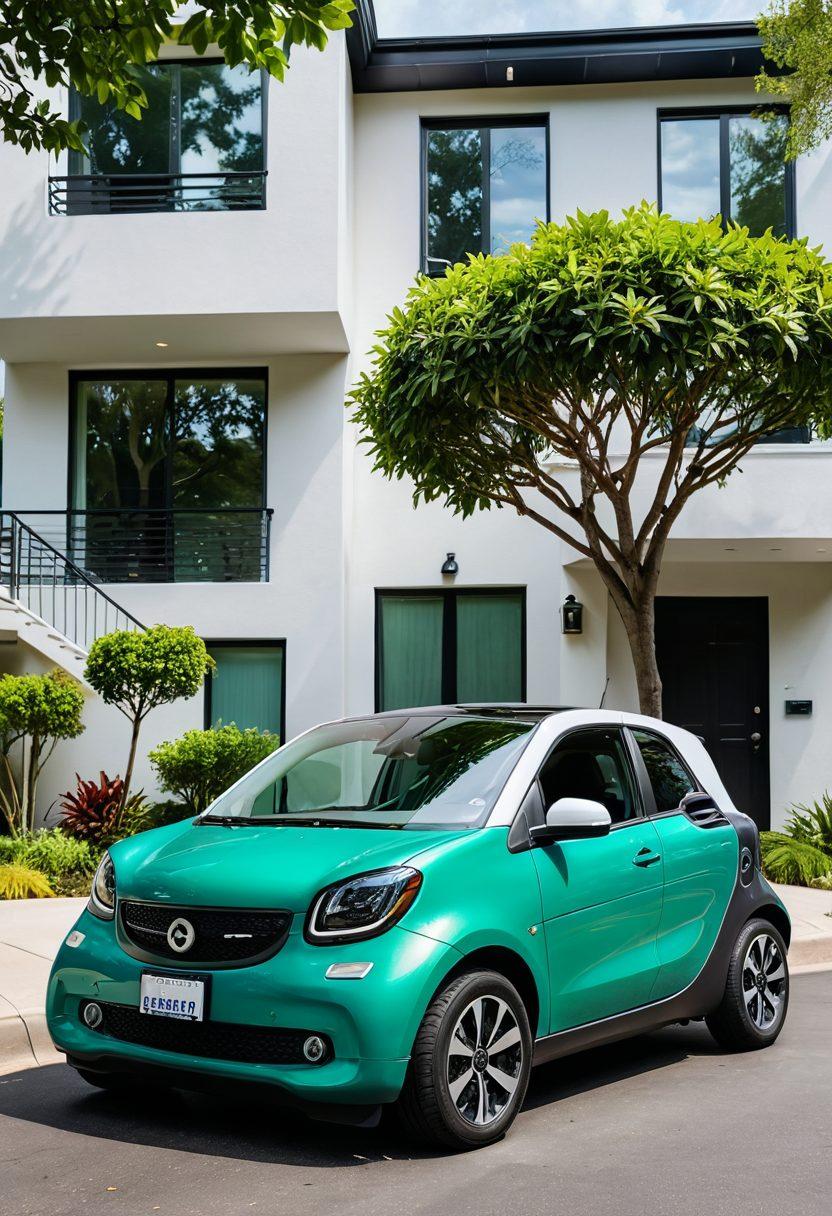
[713, 660]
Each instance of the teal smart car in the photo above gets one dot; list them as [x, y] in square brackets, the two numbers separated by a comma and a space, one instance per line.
[415, 907]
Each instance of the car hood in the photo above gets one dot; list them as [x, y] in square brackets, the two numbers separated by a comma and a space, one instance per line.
[257, 867]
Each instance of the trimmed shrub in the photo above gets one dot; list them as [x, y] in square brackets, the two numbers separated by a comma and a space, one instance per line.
[203, 764]
[136, 671]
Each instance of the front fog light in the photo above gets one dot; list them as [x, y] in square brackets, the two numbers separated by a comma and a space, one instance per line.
[93, 1015]
[314, 1048]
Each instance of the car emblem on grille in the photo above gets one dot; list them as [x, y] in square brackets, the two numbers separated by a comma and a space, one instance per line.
[180, 935]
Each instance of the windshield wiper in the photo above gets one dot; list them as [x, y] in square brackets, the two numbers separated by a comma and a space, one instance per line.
[228, 821]
[330, 821]
[277, 821]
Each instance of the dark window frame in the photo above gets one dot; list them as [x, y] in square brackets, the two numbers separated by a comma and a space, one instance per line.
[723, 114]
[633, 774]
[449, 636]
[169, 375]
[175, 129]
[485, 124]
[239, 643]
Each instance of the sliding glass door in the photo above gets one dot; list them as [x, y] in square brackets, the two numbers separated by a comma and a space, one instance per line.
[168, 475]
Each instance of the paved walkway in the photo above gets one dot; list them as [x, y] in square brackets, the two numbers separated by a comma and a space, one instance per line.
[31, 930]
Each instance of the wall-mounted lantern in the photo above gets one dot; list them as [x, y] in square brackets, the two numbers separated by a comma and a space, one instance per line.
[450, 565]
[572, 615]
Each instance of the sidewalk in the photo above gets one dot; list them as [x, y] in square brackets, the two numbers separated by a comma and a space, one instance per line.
[31, 930]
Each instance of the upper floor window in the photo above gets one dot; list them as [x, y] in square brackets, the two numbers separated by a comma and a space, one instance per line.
[484, 186]
[168, 476]
[197, 147]
[729, 163]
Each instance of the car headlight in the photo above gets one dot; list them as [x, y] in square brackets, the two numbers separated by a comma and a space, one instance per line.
[362, 906]
[103, 894]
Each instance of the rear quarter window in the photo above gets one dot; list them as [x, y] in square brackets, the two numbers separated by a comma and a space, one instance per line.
[669, 778]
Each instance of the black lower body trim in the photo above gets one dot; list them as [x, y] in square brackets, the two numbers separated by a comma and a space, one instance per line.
[169, 1076]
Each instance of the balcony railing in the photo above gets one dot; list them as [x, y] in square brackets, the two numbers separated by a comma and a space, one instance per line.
[143, 545]
[108, 194]
[46, 582]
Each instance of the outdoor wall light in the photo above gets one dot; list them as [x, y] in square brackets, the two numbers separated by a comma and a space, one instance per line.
[572, 616]
[450, 565]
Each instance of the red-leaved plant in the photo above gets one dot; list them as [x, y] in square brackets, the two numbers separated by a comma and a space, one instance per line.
[91, 813]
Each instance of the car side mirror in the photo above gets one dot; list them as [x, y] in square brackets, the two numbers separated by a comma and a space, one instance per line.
[572, 819]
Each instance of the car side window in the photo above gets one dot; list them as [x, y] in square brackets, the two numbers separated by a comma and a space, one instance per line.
[591, 764]
[669, 778]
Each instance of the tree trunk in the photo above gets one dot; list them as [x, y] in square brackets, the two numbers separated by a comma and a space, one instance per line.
[640, 624]
[131, 760]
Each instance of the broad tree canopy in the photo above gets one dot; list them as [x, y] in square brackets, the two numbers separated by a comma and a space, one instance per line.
[96, 46]
[601, 341]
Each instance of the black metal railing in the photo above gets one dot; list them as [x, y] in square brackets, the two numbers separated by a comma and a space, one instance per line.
[52, 587]
[108, 194]
[145, 545]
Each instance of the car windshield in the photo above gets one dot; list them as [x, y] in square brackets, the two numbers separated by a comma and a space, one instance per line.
[390, 772]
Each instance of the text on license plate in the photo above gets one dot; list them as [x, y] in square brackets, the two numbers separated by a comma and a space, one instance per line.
[172, 996]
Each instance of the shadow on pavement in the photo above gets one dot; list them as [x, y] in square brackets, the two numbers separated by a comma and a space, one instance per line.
[55, 1096]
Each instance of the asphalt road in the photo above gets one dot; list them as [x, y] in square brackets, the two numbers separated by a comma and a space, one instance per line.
[663, 1124]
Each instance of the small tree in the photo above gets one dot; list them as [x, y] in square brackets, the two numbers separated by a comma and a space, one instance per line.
[136, 672]
[797, 42]
[540, 380]
[97, 47]
[204, 763]
[35, 712]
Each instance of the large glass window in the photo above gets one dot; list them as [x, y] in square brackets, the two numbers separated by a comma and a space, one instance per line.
[485, 187]
[247, 686]
[423, 770]
[728, 163]
[168, 475]
[448, 647]
[198, 145]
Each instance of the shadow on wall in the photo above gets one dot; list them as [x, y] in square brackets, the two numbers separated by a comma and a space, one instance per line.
[34, 262]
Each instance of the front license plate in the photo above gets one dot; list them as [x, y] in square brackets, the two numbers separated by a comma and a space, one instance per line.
[172, 996]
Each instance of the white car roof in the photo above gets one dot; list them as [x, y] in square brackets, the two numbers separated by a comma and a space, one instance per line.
[559, 723]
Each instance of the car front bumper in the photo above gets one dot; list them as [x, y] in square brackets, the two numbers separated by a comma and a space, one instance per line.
[371, 1023]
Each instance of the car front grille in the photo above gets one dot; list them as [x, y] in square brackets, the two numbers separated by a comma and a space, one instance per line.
[209, 1040]
[220, 936]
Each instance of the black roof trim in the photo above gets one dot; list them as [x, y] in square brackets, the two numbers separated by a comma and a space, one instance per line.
[690, 52]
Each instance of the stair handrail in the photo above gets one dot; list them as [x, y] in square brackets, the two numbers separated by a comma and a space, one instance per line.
[18, 527]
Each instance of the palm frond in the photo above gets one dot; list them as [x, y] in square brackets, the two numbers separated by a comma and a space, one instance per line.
[813, 822]
[793, 860]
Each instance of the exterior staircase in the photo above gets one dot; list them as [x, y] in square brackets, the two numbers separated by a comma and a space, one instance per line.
[49, 602]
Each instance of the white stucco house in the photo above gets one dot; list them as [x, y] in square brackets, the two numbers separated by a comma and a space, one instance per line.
[182, 313]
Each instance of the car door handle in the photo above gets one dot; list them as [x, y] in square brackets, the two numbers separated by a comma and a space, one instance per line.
[646, 857]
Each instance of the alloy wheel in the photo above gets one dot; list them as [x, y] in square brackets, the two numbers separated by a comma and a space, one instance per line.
[485, 1059]
[764, 982]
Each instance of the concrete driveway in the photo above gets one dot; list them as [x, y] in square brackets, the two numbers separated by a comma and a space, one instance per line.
[663, 1124]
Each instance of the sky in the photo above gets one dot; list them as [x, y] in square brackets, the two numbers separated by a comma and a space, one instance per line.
[421, 18]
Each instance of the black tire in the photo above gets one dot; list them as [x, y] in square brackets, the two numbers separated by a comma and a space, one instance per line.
[753, 1009]
[483, 1109]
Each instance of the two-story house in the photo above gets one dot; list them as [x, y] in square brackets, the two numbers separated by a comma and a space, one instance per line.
[182, 312]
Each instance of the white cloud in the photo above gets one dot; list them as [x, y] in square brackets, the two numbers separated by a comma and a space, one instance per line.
[423, 18]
